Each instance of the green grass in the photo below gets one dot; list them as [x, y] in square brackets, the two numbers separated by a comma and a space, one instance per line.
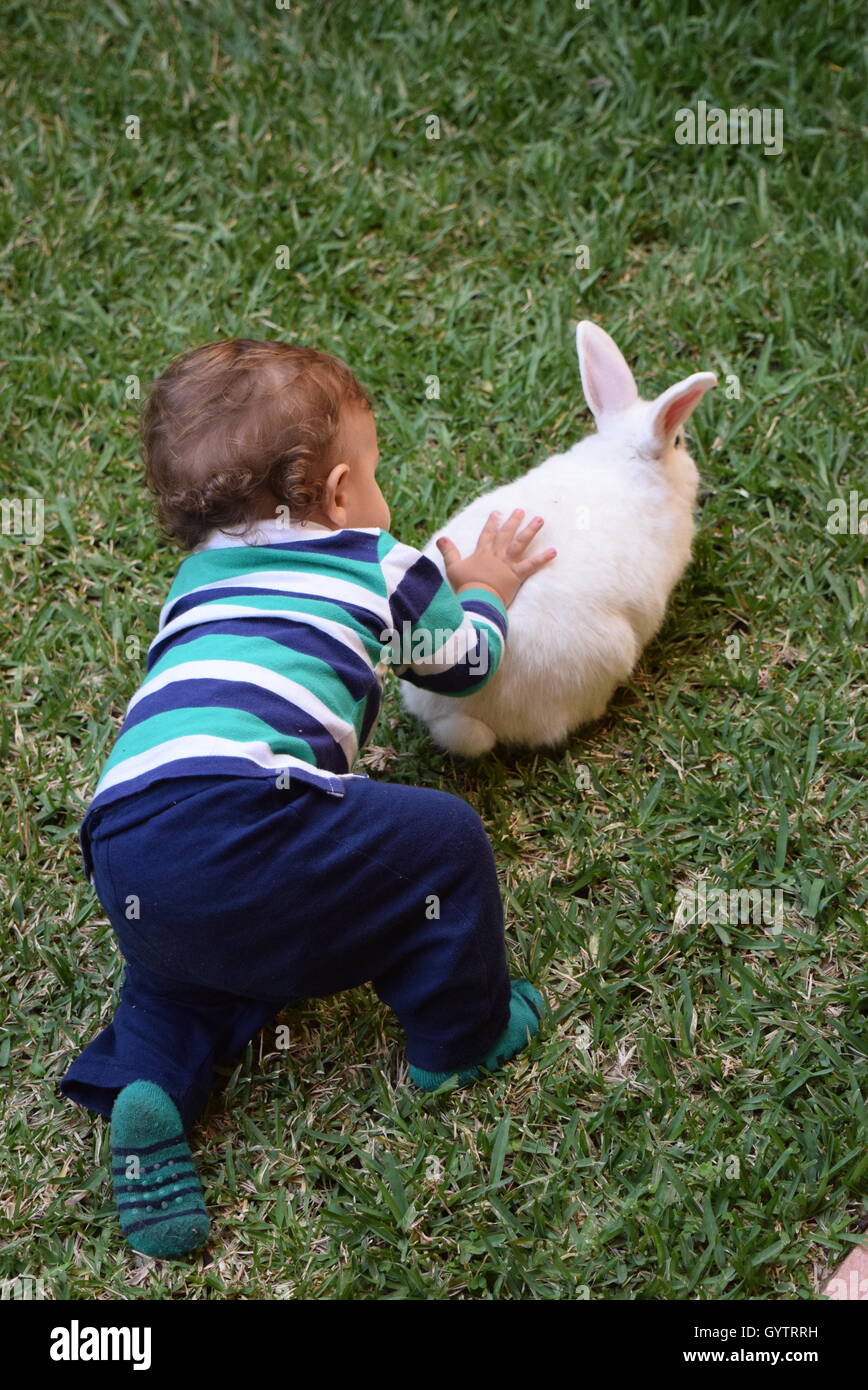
[691, 1125]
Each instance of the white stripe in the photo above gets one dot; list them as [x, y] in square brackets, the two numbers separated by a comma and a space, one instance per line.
[320, 586]
[462, 646]
[396, 563]
[213, 612]
[202, 746]
[273, 533]
[343, 733]
[345, 635]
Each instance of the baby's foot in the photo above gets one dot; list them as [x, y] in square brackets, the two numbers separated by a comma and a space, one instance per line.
[158, 1194]
[525, 1011]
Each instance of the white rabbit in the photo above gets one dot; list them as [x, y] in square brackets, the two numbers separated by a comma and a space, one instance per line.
[618, 507]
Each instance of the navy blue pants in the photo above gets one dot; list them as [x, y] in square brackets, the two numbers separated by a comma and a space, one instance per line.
[231, 896]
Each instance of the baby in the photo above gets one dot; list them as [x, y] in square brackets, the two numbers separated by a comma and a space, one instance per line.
[240, 860]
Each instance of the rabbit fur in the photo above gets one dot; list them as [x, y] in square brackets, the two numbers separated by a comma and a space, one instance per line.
[618, 507]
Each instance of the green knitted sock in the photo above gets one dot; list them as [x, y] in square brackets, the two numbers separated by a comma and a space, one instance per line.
[158, 1194]
[525, 1011]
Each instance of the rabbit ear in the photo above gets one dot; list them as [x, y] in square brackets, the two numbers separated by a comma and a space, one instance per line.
[673, 407]
[606, 379]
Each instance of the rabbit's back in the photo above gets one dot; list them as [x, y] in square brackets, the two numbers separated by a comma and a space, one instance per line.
[576, 632]
[623, 539]
[618, 509]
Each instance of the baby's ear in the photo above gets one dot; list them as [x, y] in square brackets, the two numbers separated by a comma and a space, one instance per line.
[674, 407]
[606, 379]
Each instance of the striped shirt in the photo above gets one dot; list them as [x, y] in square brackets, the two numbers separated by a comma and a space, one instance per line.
[271, 649]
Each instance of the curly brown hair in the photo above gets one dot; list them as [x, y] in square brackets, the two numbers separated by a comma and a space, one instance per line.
[234, 429]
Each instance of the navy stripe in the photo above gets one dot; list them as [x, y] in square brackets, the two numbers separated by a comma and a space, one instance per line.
[469, 675]
[282, 716]
[485, 610]
[139, 1149]
[281, 630]
[297, 639]
[350, 544]
[203, 693]
[165, 1216]
[371, 622]
[186, 602]
[415, 592]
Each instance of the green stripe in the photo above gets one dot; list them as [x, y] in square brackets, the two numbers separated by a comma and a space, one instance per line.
[385, 545]
[319, 608]
[160, 1192]
[147, 1161]
[310, 672]
[445, 614]
[237, 725]
[484, 596]
[236, 561]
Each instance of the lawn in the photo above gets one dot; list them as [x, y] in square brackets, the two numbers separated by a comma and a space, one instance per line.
[691, 1125]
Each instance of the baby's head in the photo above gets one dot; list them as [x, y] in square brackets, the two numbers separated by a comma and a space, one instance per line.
[240, 431]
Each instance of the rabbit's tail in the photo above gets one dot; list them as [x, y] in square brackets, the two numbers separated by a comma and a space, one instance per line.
[460, 733]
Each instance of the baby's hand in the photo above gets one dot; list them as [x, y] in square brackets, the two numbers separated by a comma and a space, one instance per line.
[497, 563]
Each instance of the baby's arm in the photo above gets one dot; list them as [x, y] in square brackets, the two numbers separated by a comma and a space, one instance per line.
[452, 642]
[441, 641]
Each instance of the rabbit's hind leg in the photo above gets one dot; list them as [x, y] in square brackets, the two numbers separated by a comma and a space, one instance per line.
[462, 734]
